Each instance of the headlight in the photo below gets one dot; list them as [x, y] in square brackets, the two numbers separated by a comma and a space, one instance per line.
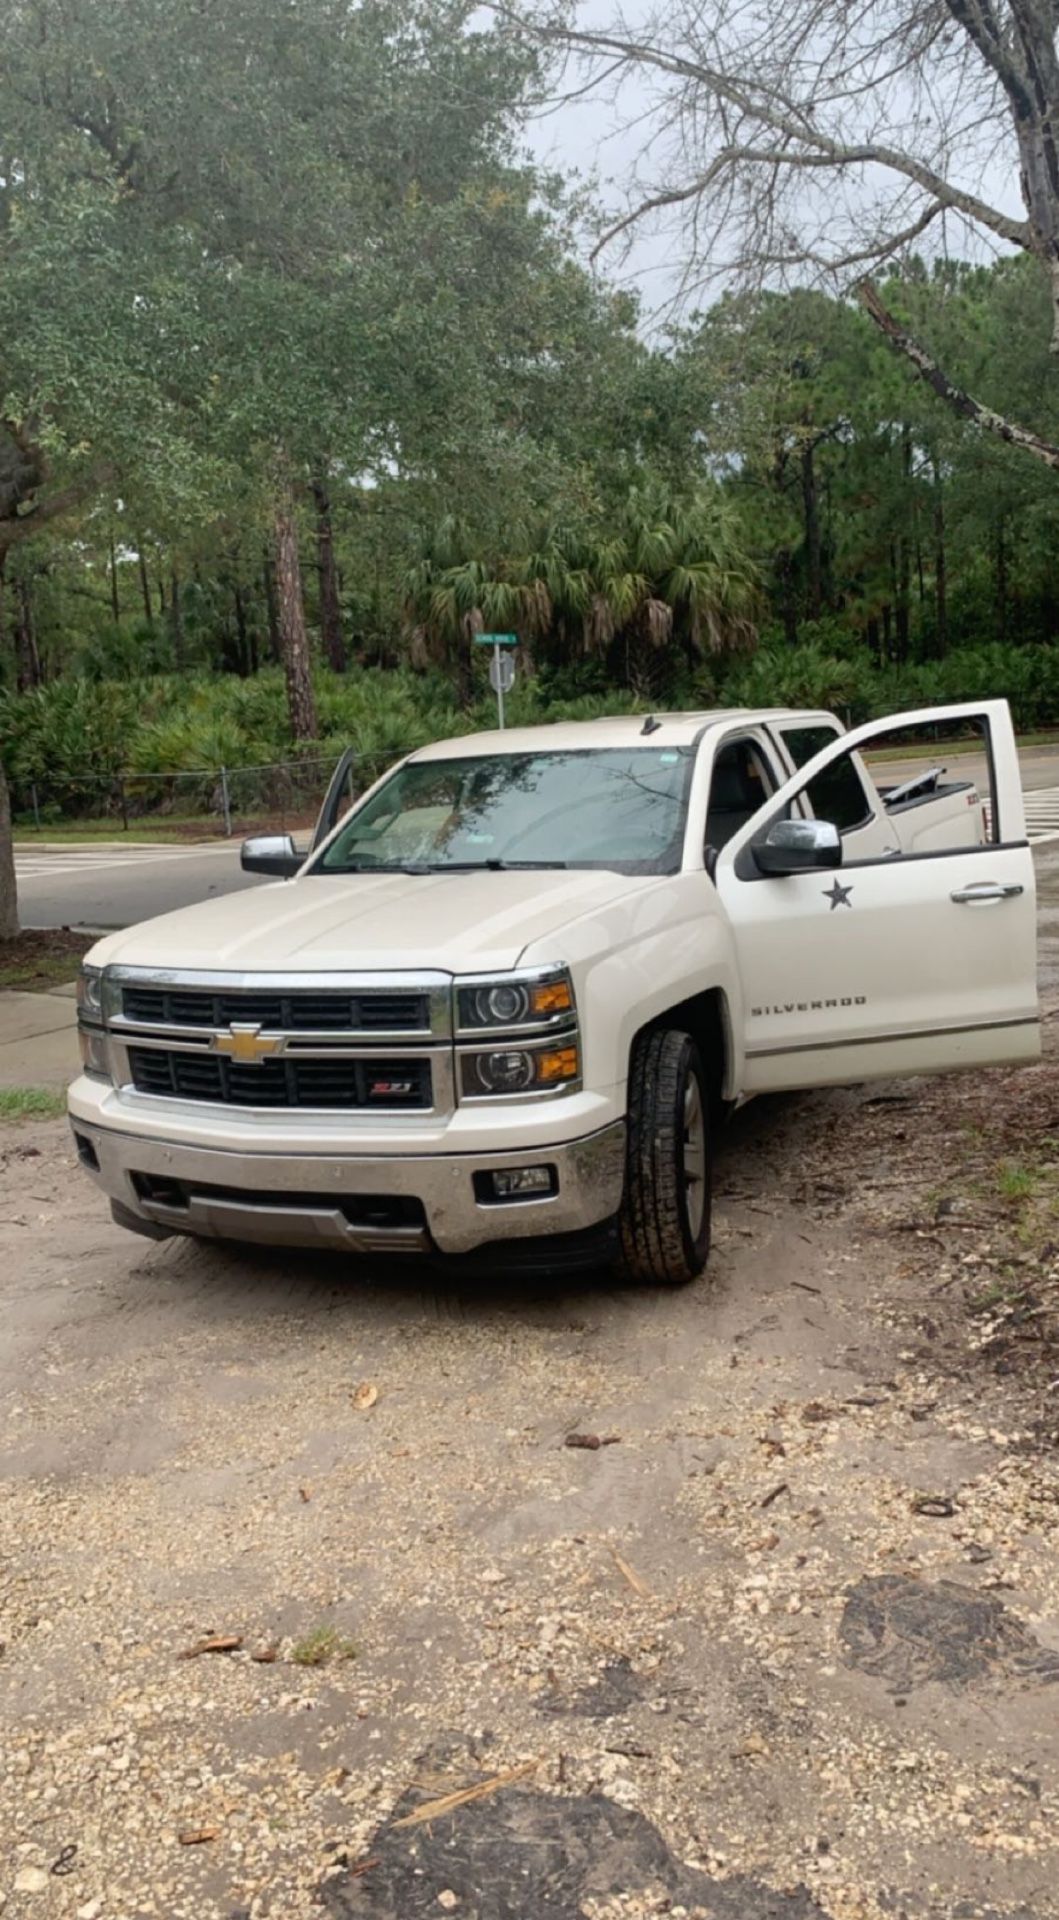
[540, 1000]
[511, 1070]
[95, 1058]
[90, 993]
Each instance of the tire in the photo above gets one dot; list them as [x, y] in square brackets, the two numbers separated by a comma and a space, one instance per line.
[664, 1221]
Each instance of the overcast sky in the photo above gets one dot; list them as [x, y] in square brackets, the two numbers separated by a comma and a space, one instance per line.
[602, 140]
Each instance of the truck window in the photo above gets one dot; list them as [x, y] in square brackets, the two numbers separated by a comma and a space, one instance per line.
[838, 794]
[622, 809]
[915, 788]
[802, 743]
[741, 782]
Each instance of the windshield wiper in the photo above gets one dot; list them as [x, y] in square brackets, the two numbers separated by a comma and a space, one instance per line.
[453, 866]
[490, 866]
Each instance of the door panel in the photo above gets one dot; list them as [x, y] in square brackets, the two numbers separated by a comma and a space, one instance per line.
[875, 968]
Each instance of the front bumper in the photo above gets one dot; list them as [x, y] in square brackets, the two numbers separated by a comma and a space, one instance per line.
[392, 1204]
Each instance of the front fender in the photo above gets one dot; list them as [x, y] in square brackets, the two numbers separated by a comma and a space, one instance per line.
[640, 956]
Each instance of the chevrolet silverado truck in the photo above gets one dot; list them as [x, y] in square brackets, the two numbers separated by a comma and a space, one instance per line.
[498, 1011]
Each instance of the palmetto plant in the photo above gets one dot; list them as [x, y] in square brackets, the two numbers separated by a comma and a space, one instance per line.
[666, 570]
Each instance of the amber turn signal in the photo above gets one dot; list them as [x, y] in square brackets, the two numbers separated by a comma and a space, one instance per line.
[552, 997]
[561, 1064]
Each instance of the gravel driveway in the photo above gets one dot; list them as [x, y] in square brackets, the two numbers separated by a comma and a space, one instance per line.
[741, 1601]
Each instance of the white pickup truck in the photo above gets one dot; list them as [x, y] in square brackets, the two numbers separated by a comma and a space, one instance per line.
[498, 1010]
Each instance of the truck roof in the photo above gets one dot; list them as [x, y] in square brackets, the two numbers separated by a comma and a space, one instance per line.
[613, 730]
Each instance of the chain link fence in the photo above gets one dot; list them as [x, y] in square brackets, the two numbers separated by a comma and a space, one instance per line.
[285, 795]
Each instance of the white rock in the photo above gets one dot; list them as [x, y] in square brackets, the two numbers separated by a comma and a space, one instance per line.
[31, 1880]
[90, 1911]
[448, 1899]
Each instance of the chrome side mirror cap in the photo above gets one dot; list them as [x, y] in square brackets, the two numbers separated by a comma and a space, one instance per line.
[271, 853]
[798, 846]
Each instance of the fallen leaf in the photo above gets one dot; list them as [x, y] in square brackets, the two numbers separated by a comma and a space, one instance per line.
[366, 1395]
[590, 1441]
[306, 1494]
[217, 1643]
[197, 1836]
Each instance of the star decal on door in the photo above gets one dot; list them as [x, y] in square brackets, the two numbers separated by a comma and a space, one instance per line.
[838, 896]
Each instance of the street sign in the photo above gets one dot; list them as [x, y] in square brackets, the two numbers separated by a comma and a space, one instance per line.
[501, 673]
[501, 666]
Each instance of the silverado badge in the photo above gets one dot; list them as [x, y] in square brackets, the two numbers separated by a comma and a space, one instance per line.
[247, 1045]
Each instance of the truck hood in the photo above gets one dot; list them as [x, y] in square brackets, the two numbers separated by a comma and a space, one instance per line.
[458, 922]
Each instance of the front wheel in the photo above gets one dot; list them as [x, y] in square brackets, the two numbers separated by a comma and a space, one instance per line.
[665, 1212]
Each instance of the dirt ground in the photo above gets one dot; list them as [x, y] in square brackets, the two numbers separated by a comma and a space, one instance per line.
[785, 1642]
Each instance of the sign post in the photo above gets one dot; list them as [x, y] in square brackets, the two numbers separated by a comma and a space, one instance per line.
[501, 666]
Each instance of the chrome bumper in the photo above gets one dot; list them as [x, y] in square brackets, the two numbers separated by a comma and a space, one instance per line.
[309, 1200]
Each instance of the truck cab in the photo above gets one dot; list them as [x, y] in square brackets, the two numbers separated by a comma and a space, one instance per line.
[498, 1011]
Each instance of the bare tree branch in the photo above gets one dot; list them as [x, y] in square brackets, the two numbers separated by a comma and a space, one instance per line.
[954, 397]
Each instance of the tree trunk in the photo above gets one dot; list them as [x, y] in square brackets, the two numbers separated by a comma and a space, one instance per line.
[176, 620]
[145, 587]
[330, 608]
[245, 645]
[293, 634]
[268, 575]
[941, 582]
[29, 673]
[873, 637]
[788, 601]
[8, 886]
[903, 570]
[1001, 584]
[814, 595]
[115, 603]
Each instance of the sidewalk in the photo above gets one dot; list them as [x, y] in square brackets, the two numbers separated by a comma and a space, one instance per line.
[38, 1038]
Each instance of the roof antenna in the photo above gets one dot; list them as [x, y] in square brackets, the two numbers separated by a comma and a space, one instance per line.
[651, 725]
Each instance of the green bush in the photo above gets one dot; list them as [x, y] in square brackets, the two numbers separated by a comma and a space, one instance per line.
[73, 738]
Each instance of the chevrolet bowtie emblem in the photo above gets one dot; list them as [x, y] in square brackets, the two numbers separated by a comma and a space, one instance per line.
[247, 1045]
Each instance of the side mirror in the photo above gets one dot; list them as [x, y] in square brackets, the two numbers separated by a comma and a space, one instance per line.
[798, 846]
[272, 853]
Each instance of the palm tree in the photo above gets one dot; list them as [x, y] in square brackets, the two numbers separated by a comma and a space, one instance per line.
[666, 570]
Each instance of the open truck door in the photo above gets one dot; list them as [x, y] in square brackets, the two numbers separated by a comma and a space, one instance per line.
[856, 964]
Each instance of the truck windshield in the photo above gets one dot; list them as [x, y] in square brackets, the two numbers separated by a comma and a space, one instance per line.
[619, 808]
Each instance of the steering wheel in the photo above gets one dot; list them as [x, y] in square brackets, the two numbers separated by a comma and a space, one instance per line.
[916, 789]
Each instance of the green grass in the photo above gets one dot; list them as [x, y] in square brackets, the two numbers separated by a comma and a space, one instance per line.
[1015, 1183]
[31, 1103]
[321, 1647]
[87, 831]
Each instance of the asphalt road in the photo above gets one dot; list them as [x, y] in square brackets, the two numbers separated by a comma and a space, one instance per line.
[101, 887]
[104, 887]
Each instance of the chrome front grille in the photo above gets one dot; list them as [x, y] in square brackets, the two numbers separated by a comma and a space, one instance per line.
[344, 1083]
[369, 1043]
[369, 1012]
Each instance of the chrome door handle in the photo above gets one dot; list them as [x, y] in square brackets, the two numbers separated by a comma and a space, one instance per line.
[986, 890]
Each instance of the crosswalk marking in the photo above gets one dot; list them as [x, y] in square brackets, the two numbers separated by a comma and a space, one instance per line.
[1042, 815]
[57, 866]
[1041, 805]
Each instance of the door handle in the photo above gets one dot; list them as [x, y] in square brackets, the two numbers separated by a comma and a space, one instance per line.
[986, 890]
